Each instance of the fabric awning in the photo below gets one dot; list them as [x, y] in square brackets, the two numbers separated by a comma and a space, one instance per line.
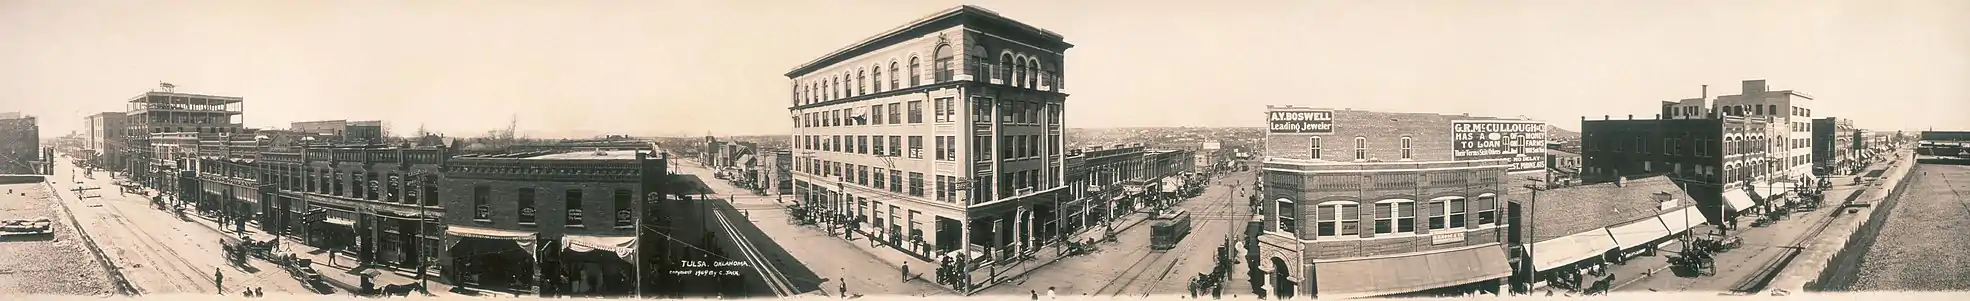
[487, 233]
[622, 246]
[1412, 272]
[1684, 220]
[1638, 233]
[1738, 200]
[1569, 249]
[339, 221]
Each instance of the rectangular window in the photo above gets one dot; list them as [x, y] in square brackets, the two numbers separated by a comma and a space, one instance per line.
[880, 182]
[895, 146]
[916, 112]
[482, 203]
[862, 175]
[937, 113]
[624, 208]
[916, 147]
[895, 181]
[1395, 218]
[526, 205]
[574, 208]
[1313, 147]
[895, 113]
[950, 109]
[875, 114]
[1288, 214]
[939, 149]
[981, 147]
[372, 193]
[916, 184]
[862, 145]
[1457, 213]
[941, 194]
[1437, 218]
[878, 147]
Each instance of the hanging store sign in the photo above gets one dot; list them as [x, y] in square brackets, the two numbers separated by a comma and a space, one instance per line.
[1521, 142]
[1300, 122]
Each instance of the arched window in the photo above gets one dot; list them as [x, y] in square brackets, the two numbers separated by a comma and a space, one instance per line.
[980, 62]
[1360, 148]
[895, 76]
[877, 83]
[1005, 69]
[1405, 146]
[1018, 73]
[1339, 218]
[1033, 73]
[1395, 216]
[942, 65]
[916, 73]
[827, 90]
[861, 82]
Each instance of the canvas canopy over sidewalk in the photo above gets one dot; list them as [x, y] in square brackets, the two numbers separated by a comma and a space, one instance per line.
[1565, 250]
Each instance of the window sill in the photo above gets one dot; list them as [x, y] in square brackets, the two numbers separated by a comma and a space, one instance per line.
[529, 224]
[625, 227]
[577, 226]
[482, 220]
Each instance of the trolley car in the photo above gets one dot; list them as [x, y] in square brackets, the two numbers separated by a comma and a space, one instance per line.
[1170, 227]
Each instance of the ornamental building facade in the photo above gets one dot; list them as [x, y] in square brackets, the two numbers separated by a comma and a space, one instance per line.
[941, 137]
[1370, 204]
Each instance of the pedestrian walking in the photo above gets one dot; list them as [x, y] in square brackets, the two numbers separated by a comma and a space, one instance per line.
[844, 288]
[219, 281]
[906, 270]
[1036, 294]
[1050, 295]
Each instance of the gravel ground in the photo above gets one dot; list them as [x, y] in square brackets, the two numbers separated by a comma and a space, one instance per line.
[62, 265]
[1925, 245]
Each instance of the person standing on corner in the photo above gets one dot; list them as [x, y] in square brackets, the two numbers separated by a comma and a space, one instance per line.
[906, 270]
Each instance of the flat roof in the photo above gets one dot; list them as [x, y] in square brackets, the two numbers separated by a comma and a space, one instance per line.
[220, 99]
[589, 155]
[843, 53]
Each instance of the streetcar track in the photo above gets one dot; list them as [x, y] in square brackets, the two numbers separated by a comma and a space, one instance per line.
[158, 248]
[1225, 204]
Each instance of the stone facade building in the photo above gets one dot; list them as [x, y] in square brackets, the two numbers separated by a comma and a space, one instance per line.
[939, 137]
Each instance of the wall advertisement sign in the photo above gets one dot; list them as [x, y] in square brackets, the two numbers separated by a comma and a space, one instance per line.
[1300, 121]
[1520, 141]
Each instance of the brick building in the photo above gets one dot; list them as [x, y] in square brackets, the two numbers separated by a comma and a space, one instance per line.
[20, 145]
[939, 136]
[1836, 146]
[1399, 204]
[1717, 160]
[545, 205]
[176, 119]
[378, 204]
[105, 140]
[1790, 126]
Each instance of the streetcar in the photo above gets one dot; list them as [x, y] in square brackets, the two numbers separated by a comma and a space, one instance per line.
[1169, 228]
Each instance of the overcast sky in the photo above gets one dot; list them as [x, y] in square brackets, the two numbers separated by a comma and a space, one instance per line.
[652, 67]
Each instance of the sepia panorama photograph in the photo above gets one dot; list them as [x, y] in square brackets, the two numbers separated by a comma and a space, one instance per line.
[932, 149]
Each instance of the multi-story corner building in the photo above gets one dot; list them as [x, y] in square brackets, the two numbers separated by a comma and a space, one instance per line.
[1790, 128]
[945, 133]
[1716, 160]
[1835, 146]
[20, 145]
[1399, 204]
[157, 115]
[375, 203]
[525, 217]
[105, 138]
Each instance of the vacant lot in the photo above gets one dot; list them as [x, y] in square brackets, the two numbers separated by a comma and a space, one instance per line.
[1925, 245]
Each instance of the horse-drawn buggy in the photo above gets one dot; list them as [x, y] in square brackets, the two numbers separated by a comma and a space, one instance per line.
[238, 248]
